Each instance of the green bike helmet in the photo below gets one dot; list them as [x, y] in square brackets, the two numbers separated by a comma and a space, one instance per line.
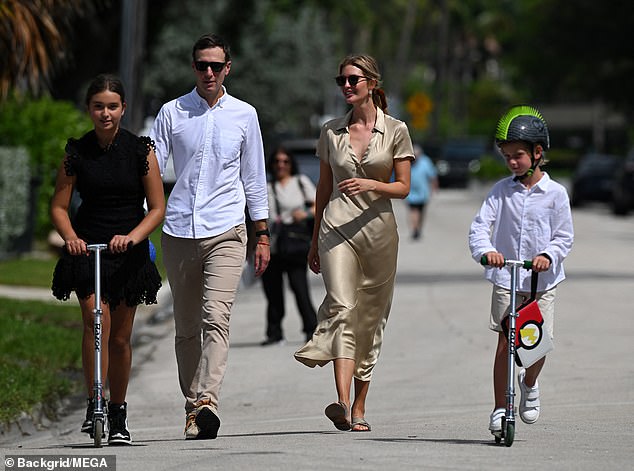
[523, 123]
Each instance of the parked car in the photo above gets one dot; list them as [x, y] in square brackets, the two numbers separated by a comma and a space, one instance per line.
[459, 161]
[623, 190]
[594, 178]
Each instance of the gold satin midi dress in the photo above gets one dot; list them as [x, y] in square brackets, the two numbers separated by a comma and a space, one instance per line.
[358, 247]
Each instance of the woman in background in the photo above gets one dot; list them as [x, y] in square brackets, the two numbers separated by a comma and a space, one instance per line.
[291, 201]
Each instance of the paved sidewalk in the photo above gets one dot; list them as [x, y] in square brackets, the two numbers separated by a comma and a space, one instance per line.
[26, 292]
[431, 394]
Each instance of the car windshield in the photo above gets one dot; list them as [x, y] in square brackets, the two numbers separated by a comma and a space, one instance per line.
[463, 151]
[308, 164]
[598, 163]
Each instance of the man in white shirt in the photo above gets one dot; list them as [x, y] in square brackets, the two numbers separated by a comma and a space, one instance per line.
[218, 157]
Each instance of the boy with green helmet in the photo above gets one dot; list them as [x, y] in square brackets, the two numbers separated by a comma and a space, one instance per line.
[524, 123]
[524, 217]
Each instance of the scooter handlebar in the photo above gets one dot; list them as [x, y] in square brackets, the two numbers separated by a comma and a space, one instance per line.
[95, 247]
[527, 264]
[104, 247]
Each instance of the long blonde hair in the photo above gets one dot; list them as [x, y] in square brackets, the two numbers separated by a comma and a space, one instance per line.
[370, 70]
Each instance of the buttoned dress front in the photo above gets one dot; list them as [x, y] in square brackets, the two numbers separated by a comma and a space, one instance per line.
[358, 247]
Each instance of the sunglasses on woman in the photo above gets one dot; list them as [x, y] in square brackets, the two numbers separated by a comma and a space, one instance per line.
[201, 66]
[352, 79]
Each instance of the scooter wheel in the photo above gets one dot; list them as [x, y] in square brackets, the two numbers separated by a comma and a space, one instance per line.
[509, 436]
[98, 433]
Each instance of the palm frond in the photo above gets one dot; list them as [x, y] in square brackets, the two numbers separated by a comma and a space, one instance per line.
[33, 40]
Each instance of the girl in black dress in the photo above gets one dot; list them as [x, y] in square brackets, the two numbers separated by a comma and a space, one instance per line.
[114, 172]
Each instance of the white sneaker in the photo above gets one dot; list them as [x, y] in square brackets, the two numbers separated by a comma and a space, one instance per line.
[529, 400]
[495, 421]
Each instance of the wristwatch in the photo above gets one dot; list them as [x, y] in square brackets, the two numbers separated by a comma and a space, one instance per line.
[263, 232]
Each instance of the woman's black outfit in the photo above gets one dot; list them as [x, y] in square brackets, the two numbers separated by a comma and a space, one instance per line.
[109, 182]
[294, 265]
[273, 283]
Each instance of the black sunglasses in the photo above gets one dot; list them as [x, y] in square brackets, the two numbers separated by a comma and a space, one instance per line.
[352, 80]
[202, 66]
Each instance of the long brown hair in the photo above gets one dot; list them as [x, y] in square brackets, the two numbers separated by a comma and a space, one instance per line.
[370, 70]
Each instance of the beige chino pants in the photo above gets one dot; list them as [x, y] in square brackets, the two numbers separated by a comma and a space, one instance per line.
[204, 275]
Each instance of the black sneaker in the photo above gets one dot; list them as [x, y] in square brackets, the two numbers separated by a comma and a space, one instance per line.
[208, 423]
[86, 427]
[118, 425]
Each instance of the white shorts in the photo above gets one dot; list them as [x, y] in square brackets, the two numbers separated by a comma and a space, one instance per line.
[501, 306]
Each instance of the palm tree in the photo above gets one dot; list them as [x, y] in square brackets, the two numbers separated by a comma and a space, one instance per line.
[32, 41]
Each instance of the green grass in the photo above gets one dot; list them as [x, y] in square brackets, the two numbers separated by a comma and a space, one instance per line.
[40, 354]
[28, 271]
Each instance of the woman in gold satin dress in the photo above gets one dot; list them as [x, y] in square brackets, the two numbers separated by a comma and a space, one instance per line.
[355, 241]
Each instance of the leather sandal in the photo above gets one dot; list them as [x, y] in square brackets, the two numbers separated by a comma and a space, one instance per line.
[361, 422]
[337, 412]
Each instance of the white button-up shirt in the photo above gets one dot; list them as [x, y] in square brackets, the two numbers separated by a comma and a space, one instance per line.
[219, 164]
[521, 223]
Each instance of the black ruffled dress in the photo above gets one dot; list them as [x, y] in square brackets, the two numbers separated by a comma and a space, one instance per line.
[109, 182]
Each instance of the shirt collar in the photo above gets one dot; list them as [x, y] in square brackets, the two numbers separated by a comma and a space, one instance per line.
[379, 126]
[202, 103]
[541, 185]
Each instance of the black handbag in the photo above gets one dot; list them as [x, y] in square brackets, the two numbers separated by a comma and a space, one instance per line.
[294, 239]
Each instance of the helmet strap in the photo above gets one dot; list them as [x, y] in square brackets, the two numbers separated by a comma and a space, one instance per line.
[531, 170]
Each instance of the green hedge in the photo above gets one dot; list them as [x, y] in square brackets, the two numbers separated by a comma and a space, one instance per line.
[42, 126]
[14, 196]
[492, 168]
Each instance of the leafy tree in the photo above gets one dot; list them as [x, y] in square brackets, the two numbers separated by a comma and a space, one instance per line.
[282, 60]
[33, 41]
[168, 67]
[573, 52]
[443, 48]
[286, 69]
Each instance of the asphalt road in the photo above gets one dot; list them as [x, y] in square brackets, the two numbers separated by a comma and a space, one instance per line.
[431, 394]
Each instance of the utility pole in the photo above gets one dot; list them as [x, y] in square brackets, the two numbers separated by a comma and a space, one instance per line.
[133, 29]
[442, 54]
